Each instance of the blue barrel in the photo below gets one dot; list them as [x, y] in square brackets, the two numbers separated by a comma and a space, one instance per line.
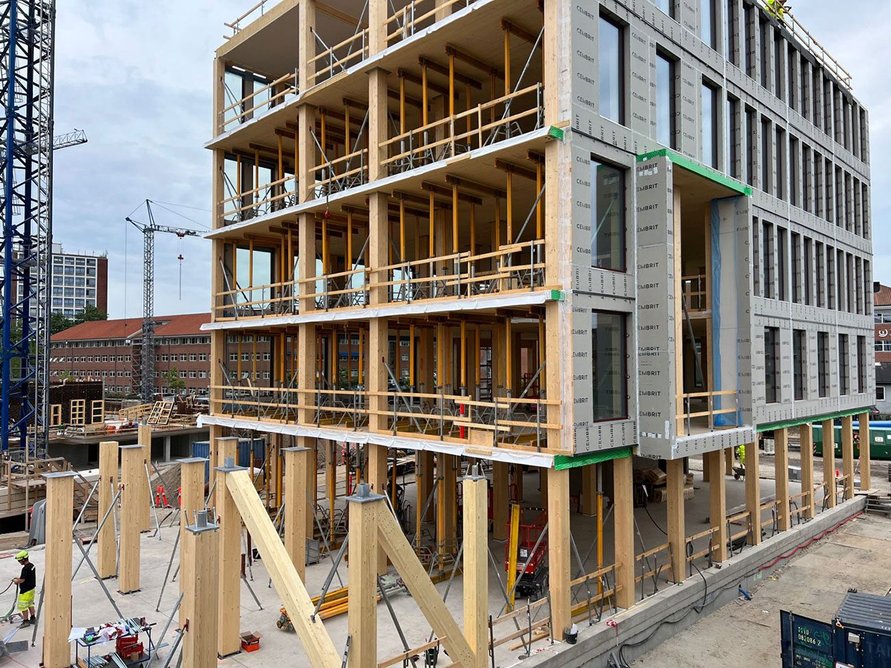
[202, 449]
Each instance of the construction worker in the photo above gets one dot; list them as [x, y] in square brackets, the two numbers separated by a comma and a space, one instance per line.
[776, 8]
[27, 583]
[741, 454]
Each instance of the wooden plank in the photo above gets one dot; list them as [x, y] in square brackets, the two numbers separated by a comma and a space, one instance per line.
[753, 490]
[106, 543]
[589, 490]
[848, 455]
[377, 479]
[781, 473]
[191, 475]
[718, 503]
[422, 590]
[476, 567]
[199, 566]
[676, 521]
[806, 440]
[144, 436]
[500, 499]
[623, 517]
[229, 604]
[57, 582]
[559, 550]
[364, 517]
[296, 507]
[829, 462]
[865, 459]
[313, 636]
[132, 474]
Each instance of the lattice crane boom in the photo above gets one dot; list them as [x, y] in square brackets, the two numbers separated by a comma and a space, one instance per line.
[146, 364]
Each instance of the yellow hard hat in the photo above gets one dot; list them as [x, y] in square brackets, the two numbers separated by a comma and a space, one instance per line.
[21, 555]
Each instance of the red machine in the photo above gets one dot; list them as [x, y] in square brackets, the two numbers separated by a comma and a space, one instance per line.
[532, 569]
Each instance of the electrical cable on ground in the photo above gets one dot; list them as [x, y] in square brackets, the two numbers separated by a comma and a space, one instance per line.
[619, 661]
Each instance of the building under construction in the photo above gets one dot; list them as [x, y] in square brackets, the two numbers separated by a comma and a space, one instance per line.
[569, 251]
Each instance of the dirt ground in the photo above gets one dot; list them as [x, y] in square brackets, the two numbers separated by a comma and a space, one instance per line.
[812, 583]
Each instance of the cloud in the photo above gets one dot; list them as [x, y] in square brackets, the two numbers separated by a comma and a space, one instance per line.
[137, 77]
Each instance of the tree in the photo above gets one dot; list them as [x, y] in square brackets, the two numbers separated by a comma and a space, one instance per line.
[90, 314]
[59, 322]
[173, 381]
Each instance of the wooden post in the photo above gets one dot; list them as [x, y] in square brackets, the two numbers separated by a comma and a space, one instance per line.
[828, 433]
[364, 508]
[806, 440]
[623, 520]
[144, 436]
[191, 501]
[865, 460]
[377, 478]
[728, 461]
[718, 504]
[57, 583]
[132, 485]
[296, 506]
[229, 584]
[199, 559]
[848, 455]
[781, 473]
[500, 499]
[753, 491]
[589, 490]
[543, 487]
[449, 488]
[677, 532]
[559, 565]
[476, 567]
[106, 544]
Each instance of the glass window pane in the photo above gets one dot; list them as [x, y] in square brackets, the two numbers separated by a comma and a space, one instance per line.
[609, 366]
[709, 126]
[664, 101]
[707, 21]
[610, 52]
[608, 212]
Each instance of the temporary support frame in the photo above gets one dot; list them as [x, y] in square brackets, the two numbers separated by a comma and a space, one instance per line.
[229, 521]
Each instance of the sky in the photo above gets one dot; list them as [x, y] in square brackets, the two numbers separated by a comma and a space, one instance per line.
[137, 75]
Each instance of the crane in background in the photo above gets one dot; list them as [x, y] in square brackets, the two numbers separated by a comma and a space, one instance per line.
[27, 43]
[145, 365]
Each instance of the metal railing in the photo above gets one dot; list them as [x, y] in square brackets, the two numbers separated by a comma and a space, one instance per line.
[444, 138]
[261, 200]
[259, 101]
[251, 15]
[415, 16]
[695, 293]
[333, 60]
[699, 409]
[511, 268]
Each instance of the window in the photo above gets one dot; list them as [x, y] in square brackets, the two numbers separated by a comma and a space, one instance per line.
[830, 277]
[781, 163]
[765, 52]
[612, 71]
[749, 139]
[665, 96]
[808, 274]
[732, 137]
[766, 156]
[794, 171]
[781, 264]
[823, 362]
[749, 46]
[861, 364]
[609, 366]
[731, 39]
[709, 125]
[843, 365]
[666, 6]
[756, 258]
[779, 72]
[767, 259]
[608, 210]
[707, 22]
[797, 278]
[771, 364]
[799, 363]
[792, 63]
[880, 393]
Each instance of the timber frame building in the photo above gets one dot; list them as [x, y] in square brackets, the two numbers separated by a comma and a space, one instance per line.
[565, 236]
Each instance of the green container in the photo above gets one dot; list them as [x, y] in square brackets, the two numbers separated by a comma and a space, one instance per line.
[879, 442]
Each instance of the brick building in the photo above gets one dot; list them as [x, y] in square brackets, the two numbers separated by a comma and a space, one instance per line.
[108, 350]
[882, 297]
